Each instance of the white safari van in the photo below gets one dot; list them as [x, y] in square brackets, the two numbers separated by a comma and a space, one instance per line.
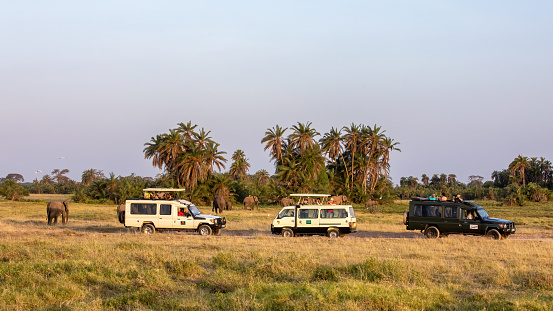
[312, 215]
[164, 214]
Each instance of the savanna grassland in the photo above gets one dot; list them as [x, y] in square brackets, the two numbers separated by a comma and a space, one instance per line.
[93, 263]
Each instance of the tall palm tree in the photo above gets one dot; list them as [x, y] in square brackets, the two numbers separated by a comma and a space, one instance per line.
[311, 162]
[91, 175]
[425, 179]
[351, 139]
[303, 136]
[186, 130]
[520, 164]
[262, 177]
[152, 151]
[191, 167]
[240, 166]
[59, 175]
[202, 139]
[273, 140]
[331, 144]
[214, 157]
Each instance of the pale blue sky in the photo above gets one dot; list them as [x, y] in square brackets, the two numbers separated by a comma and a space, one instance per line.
[464, 86]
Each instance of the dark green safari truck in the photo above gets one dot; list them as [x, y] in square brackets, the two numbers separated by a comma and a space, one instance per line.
[441, 218]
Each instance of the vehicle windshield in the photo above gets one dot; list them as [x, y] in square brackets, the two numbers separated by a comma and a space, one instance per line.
[289, 212]
[194, 210]
[351, 212]
[482, 213]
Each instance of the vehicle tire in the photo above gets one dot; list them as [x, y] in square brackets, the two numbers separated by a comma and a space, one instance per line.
[405, 217]
[122, 217]
[216, 231]
[287, 233]
[148, 229]
[204, 230]
[333, 233]
[493, 234]
[432, 232]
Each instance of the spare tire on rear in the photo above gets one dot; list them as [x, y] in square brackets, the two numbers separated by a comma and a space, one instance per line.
[405, 217]
[121, 217]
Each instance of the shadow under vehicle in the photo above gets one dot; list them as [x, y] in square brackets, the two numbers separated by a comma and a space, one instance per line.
[441, 218]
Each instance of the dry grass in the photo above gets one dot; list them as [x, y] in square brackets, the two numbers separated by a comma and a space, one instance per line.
[93, 263]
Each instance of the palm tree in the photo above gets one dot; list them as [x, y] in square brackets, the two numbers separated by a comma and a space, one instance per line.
[520, 164]
[59, 175]
[91, 175]
[262, 177]
[425, 179]
[152, 151]
[303, 136]
[191, 167]
[311, 162]
[214, 157]
[202, 139]
[186, 130]
[240, 166]
[351, 140]
[331, 144]
[274, 141]
[451, 178]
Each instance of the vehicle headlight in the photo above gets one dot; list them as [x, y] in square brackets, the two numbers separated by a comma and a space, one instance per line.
[212, 221]
[501, 226]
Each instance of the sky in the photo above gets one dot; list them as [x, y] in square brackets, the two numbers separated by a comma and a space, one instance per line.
[463, 86]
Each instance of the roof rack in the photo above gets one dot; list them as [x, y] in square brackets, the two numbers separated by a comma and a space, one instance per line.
[162, 189]
[308, 195]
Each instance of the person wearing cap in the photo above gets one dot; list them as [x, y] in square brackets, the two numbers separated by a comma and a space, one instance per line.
[458, 198]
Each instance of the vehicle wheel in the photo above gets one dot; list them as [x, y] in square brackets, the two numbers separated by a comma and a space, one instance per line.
[148, 229]
[204, 230]
[432, 232]
[287, 233]
[405, 217]
[216, 231]
[493, 234]
[333, 233]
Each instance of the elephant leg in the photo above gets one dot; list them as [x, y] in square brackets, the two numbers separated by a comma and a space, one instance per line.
[49, 220]
[55, 220]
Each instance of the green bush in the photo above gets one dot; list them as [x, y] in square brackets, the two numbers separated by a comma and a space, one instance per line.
[12, 190]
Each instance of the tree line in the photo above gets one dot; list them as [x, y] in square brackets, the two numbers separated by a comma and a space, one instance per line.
[524, 179]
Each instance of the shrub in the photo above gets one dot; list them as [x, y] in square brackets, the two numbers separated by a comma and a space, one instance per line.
[12, 190]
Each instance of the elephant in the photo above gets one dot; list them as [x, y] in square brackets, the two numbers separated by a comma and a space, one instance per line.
[251, 201]
[219, 204]
[287, 202]
[228, 205]
[54, 209]
[371, 205]
[121, 213]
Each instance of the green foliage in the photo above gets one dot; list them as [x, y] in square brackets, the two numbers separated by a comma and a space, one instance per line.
[12, 190]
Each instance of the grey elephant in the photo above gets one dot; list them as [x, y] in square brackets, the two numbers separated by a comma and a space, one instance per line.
[219, 204]
[251, 202]
[228, 205]
[372, 206]
[287, 202]
[54, 209]
[121, 213]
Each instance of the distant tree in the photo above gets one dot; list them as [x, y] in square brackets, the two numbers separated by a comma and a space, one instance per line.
[274, 141]
[518, 167]
[425, 180]
[475, 181]
[16, 177]
[91, 175]
[59, 175]
[12, 190]
[239, 168]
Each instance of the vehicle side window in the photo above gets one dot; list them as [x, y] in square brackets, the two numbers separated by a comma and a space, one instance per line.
[450, 211]
[417, 211]
[143, 209]
[430, 211]
[308, 213]
[334, 213]
[165, 209]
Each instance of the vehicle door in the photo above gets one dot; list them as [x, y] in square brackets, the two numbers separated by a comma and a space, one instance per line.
[286, 218]
[165, 216]
[308, 221]
[450, 220]
[333, 217]
[182, 218]
[431, 215]
[470, 222]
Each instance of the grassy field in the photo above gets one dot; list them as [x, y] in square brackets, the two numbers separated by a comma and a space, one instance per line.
[94, 263]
